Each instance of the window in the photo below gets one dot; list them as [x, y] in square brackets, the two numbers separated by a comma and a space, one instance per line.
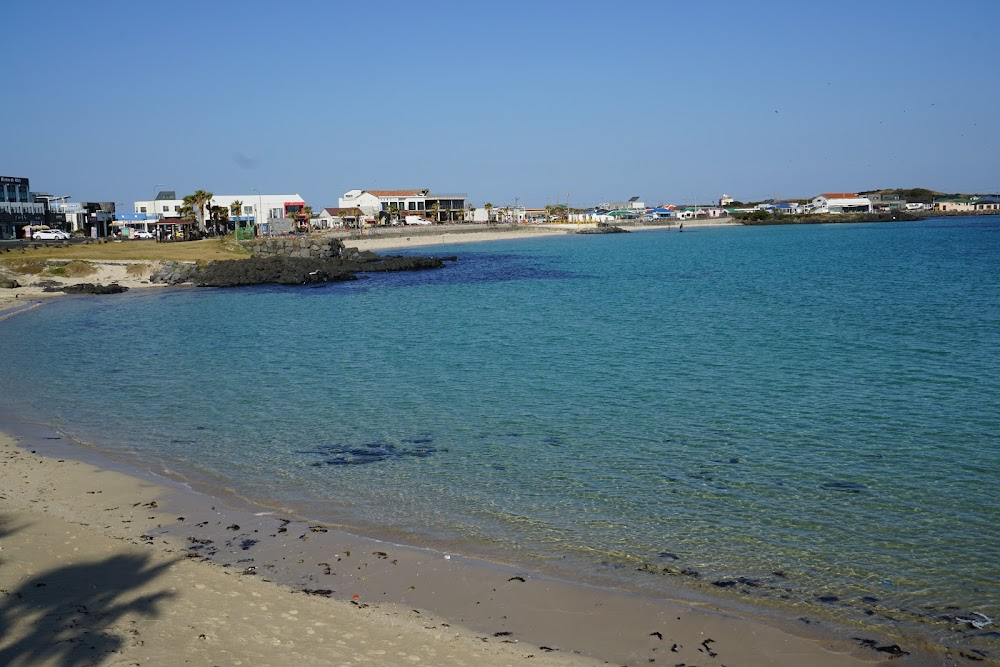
[142, 209]
[411, 206]
[420, 205]
[247, 210]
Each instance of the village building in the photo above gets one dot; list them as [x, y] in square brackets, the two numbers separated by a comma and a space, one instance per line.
[400, 203]
[886, 202]
[954, 204]
[840, 202]
[256, 209]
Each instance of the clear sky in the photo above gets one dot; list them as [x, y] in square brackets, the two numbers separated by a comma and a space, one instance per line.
[535, 100]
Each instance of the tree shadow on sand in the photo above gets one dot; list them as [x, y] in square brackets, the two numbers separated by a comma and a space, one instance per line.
[64, 616]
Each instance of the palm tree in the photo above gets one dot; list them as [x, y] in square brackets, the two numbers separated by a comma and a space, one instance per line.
[436, 211]
[472, 213]
[218, 214]
[235, 210]
[198, 202]
[393, 213]
[489, 212]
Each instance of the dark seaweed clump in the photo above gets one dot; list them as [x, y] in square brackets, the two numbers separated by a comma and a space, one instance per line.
[374, 452]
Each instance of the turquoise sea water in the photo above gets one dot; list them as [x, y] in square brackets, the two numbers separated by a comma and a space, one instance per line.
[813, 408]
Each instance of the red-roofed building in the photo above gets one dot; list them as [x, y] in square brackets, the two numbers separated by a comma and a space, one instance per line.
[388, 205]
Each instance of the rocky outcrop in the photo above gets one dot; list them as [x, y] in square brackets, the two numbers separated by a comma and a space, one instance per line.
[87, 288]
[603, 230]
[174, 273]
[281, 269]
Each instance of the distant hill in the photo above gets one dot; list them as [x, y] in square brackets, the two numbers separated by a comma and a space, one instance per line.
[916, 194]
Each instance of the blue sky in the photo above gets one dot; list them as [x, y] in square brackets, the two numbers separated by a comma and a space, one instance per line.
[671, 101]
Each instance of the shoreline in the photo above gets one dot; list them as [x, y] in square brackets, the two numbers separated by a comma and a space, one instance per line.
[393, 238]
[462, 602]
[718, 616]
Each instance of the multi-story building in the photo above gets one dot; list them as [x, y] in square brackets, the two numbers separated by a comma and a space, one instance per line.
[92, 219]
[18, 207]
[255, 208]
[886, 202]
[435, 207]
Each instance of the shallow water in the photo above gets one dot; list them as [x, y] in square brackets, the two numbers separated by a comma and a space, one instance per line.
[812, 408]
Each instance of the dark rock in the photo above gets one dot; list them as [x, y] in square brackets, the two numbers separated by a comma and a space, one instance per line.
[9, 284]
[87, 288]
[603, 230]
[847, 487]
[284, 270]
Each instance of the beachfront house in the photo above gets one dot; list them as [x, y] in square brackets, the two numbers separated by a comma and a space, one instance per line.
[840, 202]
[987, 205]
[335, 218]
[400, 203]
[886, 202]
[953, 204]
[662, 213]
[785, 208]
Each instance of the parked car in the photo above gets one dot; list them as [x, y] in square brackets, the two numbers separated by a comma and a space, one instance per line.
[49, 235]
[416, 220]
[142, 235]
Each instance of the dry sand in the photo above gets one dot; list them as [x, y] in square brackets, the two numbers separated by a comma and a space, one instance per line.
[415, 237]
[107, 568]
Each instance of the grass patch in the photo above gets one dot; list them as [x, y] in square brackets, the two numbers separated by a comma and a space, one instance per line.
[138, 270]
[37, 267]
[184, 251]
[31, 267]
[74, 269]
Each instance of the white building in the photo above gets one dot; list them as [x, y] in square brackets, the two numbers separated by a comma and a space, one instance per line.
[435, 207]
[840, 202]
[256, 208]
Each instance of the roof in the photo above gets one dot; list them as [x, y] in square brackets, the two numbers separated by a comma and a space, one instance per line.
[839, 195]
[397, 193]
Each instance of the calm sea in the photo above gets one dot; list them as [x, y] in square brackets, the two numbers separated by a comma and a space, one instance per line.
[815, 409]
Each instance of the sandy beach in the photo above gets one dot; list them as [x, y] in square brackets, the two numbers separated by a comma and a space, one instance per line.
[102, 567]
[104, 564]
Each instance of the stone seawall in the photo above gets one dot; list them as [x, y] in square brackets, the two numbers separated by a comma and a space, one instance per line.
[299, 246]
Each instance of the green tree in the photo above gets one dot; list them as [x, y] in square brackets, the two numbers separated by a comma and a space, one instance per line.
[436, 212]
[489, 211]
[198, 202]
[471, 215]
[235, 211]
[219, 216]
